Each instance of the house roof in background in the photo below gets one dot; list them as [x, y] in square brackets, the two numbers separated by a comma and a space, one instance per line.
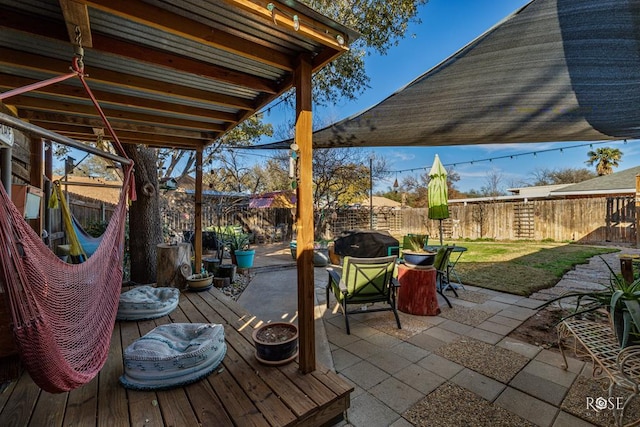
[274, 199]
[381, 202]
[616, 183]
[555, 70]
[537, 190]
[166, 73]
[93, 188]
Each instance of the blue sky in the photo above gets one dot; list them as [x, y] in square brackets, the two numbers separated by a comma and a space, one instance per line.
[447, 26]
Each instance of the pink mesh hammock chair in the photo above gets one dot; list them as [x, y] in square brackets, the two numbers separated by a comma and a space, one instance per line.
[62, 314]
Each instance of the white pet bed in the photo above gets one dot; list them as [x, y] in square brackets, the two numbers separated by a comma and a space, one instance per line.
[147, 302]
[173, 355]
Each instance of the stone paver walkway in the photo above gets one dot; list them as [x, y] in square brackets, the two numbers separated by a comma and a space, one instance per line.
[458, 368]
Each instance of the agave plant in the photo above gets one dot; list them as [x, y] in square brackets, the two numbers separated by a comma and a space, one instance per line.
[236, 242]
[415, 242]
[620, 298]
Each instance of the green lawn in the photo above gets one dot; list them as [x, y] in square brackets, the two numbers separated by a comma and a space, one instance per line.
[520, 268]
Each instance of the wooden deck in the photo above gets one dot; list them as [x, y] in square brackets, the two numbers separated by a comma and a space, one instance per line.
[241, 392]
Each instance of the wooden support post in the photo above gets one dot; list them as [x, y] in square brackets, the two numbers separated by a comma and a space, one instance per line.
[36, 171]
[197, 241]
[48, 172]
[305, 229]
[626, 268]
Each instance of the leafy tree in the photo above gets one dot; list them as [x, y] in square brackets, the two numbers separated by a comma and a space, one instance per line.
[547, 176]
[272, 176]
[605, 158]
[341, 176]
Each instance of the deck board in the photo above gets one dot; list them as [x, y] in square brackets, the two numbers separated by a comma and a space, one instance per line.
[112, 398]
[49, 410]
[82, 404]
[241, 392]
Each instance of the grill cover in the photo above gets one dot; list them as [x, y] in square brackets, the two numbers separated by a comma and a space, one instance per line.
[364, 243]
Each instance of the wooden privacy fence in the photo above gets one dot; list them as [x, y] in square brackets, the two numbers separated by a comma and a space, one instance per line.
[86, 210]
[585, 220]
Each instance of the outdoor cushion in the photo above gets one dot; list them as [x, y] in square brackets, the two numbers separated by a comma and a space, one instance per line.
[147, 302]
[173, 355]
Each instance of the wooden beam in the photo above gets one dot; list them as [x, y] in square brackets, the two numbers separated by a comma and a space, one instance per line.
[71, 93]
[59, 106]
[305, 228]
[119, 125]
[282, 15]
[172, 23]
[184, 129]
[76, 17]
[87, 134]
[51, 29]
[15, 58]
[190, 144]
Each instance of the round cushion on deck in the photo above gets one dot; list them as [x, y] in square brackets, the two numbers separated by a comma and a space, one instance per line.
[147, 302]
[173, 355]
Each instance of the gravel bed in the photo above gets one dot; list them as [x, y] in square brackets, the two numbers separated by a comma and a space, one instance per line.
[494, 362]
[583, 388]
[472, 296]
[411, 325]
[236, 288]
[451, 405]
[465, 315]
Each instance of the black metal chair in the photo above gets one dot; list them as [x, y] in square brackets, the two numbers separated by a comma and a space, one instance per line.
[441, 264]
[364, 281]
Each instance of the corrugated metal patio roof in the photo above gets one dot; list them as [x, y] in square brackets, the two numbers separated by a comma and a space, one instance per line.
[167, 73]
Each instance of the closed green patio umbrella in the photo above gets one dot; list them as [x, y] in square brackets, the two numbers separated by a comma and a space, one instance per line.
[437, 193]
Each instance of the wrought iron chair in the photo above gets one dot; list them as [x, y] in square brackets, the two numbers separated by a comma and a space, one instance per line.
[441, 264]
[364, 281]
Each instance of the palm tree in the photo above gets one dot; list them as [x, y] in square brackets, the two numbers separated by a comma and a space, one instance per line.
[606, 158]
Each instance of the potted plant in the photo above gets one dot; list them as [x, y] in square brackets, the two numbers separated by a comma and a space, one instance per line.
[238, 246]
[320, 252]
[414, 250]
[201, 281]
[276, 343]
[620, 299]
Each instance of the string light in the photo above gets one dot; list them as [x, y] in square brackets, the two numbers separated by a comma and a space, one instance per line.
[509, 156]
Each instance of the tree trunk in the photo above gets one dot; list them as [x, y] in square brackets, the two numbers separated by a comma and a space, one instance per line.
[145, 228]
[173, 265]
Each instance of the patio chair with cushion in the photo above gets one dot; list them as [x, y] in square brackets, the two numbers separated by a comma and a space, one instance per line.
[441, 264]
[364, 281]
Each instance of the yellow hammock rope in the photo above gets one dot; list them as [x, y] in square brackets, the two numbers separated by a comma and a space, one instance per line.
[76, 251]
